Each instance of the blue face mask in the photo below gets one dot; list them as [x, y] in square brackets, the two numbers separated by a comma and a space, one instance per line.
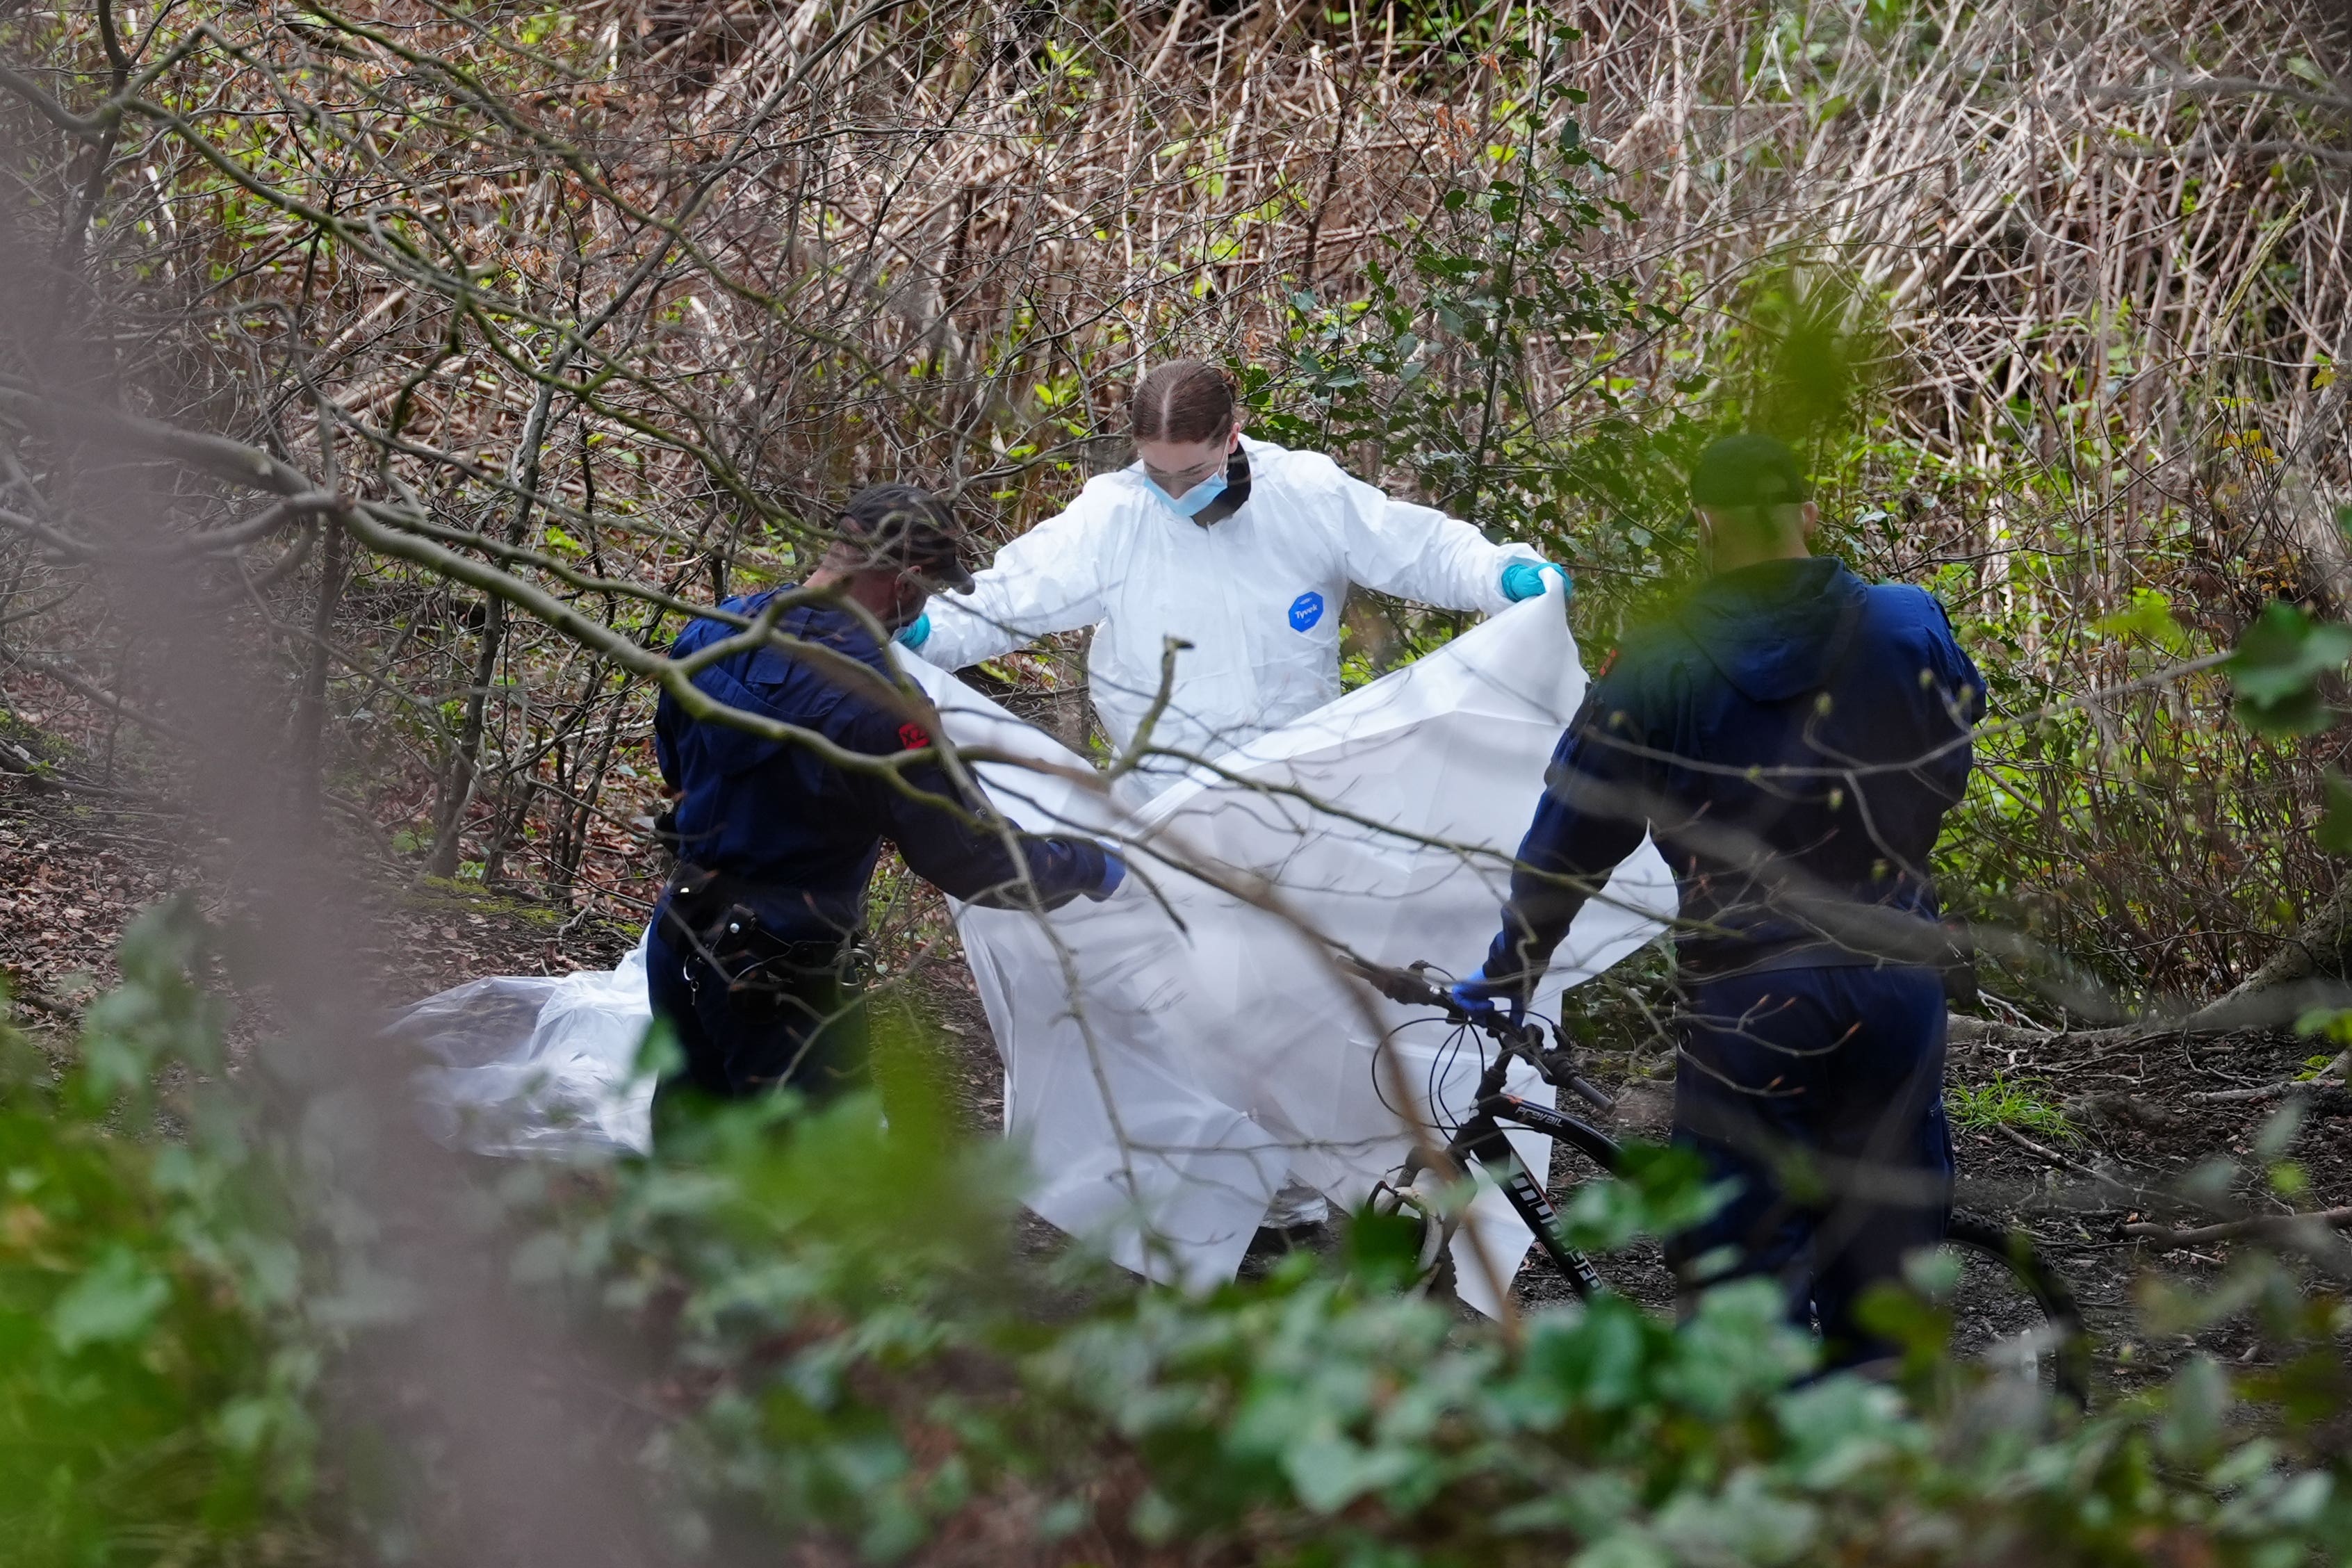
[1194, 501]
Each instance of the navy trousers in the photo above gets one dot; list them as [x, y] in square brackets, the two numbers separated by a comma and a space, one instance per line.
[1820, 1092]
[753, 1012]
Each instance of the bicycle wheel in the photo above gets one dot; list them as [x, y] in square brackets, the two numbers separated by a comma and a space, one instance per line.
[1432, 1269]
[1579, 1154]
[2011, 1310]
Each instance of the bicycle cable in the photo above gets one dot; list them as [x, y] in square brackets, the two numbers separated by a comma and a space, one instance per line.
[1380, 1080]
[1442, 1062]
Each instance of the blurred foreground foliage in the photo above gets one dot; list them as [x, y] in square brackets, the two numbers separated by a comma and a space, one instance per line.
[855, 1355]
[884, 1370]
[155, 1373]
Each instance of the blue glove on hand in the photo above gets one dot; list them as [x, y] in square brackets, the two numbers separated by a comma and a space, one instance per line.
[1525, 580]
[1113, 873]
[915, 633]
[1474, 995]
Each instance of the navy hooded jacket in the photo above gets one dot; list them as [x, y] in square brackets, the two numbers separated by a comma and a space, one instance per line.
[801, 835]
[1792, 738]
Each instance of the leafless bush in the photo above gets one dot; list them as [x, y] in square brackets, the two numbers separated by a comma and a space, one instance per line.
[614, 300]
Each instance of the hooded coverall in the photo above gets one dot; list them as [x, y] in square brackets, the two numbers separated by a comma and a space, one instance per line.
[1258, 596]
[1792, 738]
[750, 950]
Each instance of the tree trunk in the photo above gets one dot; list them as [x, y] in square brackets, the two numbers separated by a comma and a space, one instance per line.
[2320, 952]
[457, 785]
[589, 783]
[310, 711]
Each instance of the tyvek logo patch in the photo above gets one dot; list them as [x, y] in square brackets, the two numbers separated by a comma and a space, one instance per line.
[1304, 611]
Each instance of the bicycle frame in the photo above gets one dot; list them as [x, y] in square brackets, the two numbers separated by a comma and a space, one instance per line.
[1482, 1139]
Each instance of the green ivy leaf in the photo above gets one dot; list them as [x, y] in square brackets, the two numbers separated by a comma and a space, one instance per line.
[2334, 1022]
[2149, 619]
[115, 1301]
[2278, 667]
[2200, 1402]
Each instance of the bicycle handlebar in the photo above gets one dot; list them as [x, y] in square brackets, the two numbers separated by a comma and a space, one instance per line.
[1405, 986]
[1411, 988]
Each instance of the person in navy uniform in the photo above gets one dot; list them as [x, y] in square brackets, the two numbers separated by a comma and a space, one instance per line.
[1791, 736]
[752, 947]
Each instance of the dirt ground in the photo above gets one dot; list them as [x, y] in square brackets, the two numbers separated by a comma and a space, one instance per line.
[2135, 1122]
[76, 866]
[2132, 1133]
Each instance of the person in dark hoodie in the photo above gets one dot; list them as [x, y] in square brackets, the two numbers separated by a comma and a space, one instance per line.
[1791, 736]
[753, 951]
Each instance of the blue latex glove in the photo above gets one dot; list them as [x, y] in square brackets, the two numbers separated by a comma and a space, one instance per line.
[1113, 873]
[1525, 580]
[1474, 994]
[916, 633]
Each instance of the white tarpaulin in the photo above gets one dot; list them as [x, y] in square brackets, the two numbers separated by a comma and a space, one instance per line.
[1172, 1054]
[536, 1064]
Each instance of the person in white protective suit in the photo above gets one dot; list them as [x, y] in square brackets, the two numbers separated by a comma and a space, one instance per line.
[1238, 550]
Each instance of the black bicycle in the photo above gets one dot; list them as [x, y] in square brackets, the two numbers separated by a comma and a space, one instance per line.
[2010, 1310]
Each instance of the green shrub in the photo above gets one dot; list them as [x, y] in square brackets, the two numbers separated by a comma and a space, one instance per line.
[850, 1348]
[151, 1399]
[881, 1373]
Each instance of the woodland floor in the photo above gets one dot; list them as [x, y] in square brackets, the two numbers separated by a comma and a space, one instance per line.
[76, 867]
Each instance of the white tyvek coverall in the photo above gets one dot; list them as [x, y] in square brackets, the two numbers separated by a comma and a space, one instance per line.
[1258, 596]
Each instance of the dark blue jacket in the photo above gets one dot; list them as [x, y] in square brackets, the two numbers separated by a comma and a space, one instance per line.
[1792, 737]
[802, 834]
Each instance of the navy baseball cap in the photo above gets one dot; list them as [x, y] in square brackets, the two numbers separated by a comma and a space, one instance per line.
[1747, 470]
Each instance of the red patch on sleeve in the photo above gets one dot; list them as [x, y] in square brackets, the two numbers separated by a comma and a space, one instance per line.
[1607, 665]
[914, 737]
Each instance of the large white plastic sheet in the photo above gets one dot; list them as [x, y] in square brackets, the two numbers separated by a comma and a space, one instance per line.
[536, 1064]
[1173, 1055]
[1171, 1058]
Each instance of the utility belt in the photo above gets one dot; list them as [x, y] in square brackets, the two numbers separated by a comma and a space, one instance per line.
[728, 921]
[1947, 950]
